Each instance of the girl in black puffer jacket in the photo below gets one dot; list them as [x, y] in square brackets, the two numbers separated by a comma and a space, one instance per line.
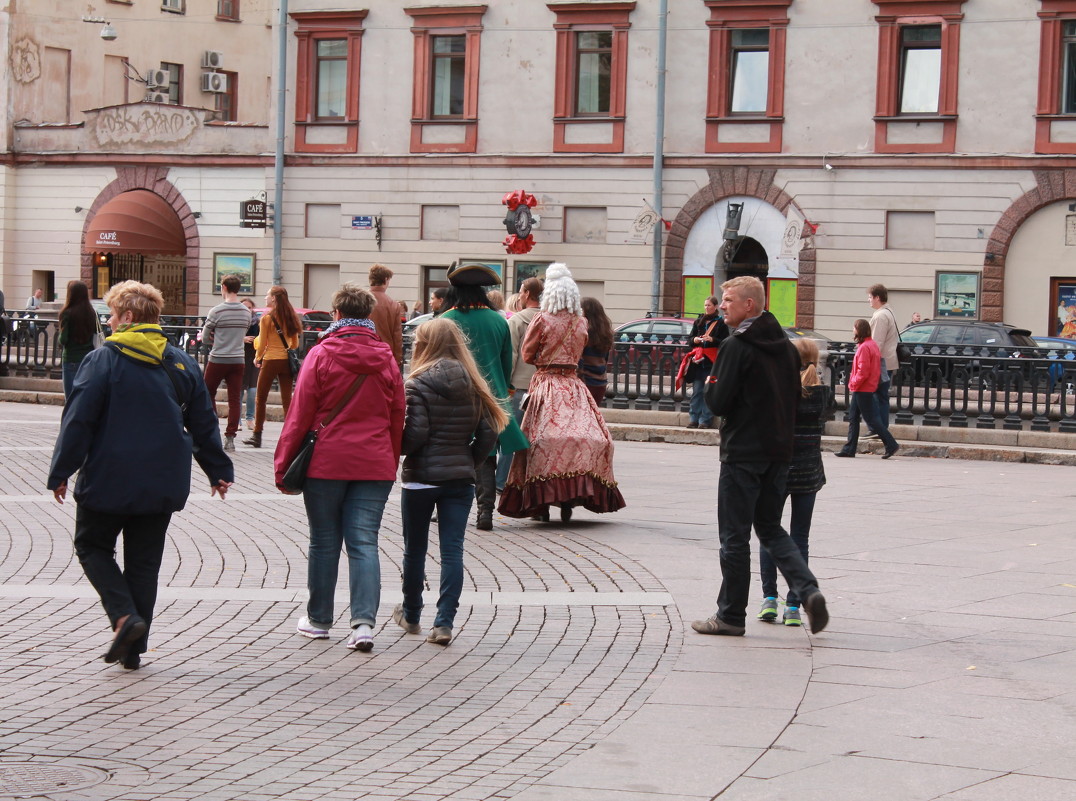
[451, 425]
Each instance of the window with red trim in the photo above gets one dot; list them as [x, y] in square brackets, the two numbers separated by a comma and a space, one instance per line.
[745, 97]
[918, 61]
[590, 97]
[444, 106]
[228, 9]
[327, 81]
[227, 101]
[1055, 120]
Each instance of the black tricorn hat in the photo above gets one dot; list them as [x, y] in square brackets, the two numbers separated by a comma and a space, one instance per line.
[470, 273]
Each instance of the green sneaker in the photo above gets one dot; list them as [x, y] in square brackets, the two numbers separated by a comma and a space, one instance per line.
[791, 617]
[768, 613]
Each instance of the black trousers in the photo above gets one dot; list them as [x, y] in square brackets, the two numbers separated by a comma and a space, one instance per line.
[132, 590]
[486, 484]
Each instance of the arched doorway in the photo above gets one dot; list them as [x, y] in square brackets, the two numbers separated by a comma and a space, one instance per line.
[748, 257]
[138, 235]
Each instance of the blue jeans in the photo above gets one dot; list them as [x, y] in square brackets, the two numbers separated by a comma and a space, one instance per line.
[754, 493]
[250, 395]
[863, 405]
[698, 410]
[799, 529]
[67, 371]
[453, 508]
[881, 397]
[344, 513]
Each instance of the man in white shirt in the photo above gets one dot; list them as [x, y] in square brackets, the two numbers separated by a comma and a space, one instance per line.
[884, 332]
[34, 301]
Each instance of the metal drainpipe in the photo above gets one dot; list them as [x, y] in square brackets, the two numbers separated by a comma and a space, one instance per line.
[278, 161]
[659, 156]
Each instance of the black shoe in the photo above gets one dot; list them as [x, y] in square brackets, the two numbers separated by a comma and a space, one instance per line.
[132, 662]
[891, 453]
[542, 517]
[846, 455]
[485, 521]
[133, 627]
[565, 512]
[692, 425]
[255, 440]
[815, 606]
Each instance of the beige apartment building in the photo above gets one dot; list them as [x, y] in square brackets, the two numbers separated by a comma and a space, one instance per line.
[929, 145]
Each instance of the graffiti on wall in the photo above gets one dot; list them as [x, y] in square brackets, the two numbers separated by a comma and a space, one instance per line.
[25, 61]
[145, 123]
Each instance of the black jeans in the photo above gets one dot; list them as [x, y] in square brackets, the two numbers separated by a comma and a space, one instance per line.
[453, 506]
[132, 591]
[799, 529]
[754, 493]
[486, 484]
[864, 405]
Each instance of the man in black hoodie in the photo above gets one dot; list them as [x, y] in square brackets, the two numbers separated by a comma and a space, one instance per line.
[753, 387]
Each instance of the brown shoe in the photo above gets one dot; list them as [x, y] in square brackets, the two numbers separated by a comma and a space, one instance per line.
[715, 625]
[440, 635]
[402, 622]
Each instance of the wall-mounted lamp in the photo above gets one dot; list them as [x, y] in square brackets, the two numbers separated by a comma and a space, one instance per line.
[197, 215]
[825, 163]
[108, 33]
[78, 209]
[1072, 206]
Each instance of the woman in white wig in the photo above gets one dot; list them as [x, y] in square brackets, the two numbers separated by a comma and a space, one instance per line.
[570, 461]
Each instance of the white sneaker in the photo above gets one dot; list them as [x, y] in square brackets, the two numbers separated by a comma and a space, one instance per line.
[250, 425]
[361, 639]
[308, 629]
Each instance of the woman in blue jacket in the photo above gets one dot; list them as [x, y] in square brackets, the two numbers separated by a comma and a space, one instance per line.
[137, 412]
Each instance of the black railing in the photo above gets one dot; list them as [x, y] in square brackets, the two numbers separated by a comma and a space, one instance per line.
[30, 348]
[984, 387]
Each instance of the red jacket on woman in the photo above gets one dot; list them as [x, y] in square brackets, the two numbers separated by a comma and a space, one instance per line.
[363, 442]
[866, 367]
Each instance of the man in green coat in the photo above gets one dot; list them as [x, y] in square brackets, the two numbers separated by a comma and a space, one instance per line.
[491, 345]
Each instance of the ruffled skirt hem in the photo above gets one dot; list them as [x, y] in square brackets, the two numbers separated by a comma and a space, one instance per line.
[536, 495]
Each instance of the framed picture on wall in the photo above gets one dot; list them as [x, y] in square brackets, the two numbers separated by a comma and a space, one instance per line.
[529, 269]
[1062, 308]
[497, 266]
[238, 264]
[956, 294]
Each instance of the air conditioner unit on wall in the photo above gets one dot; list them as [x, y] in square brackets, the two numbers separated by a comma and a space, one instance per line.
[216, 82]
[156, 97]
[212, 60]
[156, 78]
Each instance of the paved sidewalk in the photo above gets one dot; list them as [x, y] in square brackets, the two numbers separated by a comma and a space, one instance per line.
[946, 673]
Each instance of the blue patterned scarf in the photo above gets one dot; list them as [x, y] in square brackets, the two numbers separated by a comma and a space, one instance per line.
[346, 322]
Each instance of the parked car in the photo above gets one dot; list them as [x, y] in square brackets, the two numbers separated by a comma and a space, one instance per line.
[662, 330]
[967, 332]
[1061, 350]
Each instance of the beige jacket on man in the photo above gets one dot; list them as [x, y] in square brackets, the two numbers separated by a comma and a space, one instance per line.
[522, 373]
[884, 332]
[386, 318]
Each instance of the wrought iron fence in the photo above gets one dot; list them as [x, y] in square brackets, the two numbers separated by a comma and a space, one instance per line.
[985, 387]
[30, 347]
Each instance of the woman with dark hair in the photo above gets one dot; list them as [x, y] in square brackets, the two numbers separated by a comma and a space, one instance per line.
[705, 338]
[78, 323]
[866, 372]
[596, 352]
[354, 463]
[278, 332]
[250, 372]
[451, 425]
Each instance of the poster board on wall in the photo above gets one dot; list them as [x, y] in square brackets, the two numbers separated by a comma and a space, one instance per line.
[237, 264]
[1062, 308]
[956, 294]
[783, 294]
[697, 288]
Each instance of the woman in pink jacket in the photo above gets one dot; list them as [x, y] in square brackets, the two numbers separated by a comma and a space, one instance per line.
[354, 465]
[866, 371]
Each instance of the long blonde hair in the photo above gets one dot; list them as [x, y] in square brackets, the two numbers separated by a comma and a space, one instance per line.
[808, 350]
[438, 339]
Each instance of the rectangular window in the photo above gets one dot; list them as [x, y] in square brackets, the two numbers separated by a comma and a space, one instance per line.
[175, 6]
[226, 102]
[228, 9]
[593, 71]
[449, 75]
[331, 75]
[749, 70]
[175, 82]
[920, 69]
[1068, 75]
[323, 220]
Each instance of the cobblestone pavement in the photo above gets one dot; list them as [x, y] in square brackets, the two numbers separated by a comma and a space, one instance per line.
[946, 672]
